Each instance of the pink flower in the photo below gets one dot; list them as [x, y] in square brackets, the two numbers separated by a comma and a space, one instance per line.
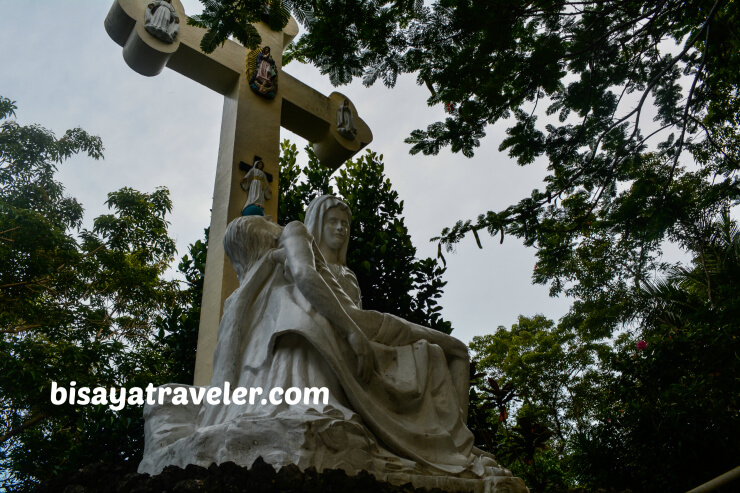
[641, 345]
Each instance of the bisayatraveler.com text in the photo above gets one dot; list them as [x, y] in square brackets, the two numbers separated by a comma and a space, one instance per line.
[117, 398]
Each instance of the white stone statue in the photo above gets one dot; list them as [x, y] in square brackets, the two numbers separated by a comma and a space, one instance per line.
[398, 392]
[257, 188]
[161, 20]
[345, 122]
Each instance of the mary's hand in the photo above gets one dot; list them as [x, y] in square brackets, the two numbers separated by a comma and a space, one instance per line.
[452, 347]
[364, 353]
[277, 255]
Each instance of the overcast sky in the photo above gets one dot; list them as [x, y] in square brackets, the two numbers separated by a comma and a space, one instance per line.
[59, 65]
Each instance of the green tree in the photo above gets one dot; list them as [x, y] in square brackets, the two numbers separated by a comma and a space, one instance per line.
[546, 365]
[177, 338]
[381, 254]
[670, 379]
[542, 384]
[73, 307]
[676, 379]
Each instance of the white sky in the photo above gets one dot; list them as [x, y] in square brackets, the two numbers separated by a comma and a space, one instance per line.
[59, 65]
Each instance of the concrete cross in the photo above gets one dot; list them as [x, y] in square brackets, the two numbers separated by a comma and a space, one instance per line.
[250, 126]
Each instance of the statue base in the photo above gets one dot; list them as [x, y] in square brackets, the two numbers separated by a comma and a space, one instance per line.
[324, 441]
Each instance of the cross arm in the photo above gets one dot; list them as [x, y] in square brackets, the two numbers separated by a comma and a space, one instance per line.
[313, 116]
[148, 55]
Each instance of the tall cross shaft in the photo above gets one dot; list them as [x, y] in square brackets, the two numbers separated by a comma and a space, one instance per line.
[250, 126]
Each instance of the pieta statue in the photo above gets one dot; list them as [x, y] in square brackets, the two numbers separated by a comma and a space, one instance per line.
[397, 392]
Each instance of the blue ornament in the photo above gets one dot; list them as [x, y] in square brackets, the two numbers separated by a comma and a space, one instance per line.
[253, 210]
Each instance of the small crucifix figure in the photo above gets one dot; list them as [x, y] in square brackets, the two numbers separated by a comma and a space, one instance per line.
[255, 183]
[250, 126]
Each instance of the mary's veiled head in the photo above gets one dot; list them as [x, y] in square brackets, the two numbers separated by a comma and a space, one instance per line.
[316, 215]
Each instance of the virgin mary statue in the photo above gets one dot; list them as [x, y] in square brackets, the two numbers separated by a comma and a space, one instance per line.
[395, 392]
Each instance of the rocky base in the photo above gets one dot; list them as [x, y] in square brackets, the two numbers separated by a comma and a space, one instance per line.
[229, 478]
[324, 441]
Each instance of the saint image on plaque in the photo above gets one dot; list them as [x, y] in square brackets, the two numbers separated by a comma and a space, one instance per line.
[161, 20]
[345, 121]
[264, 73]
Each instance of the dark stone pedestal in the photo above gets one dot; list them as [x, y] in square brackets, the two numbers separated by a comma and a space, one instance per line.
[224, 478]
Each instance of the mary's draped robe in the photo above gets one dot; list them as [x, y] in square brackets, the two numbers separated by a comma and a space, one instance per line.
[405, 420]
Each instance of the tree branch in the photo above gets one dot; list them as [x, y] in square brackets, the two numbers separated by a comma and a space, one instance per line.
[19, 329]
[20, 429]
[687, 106]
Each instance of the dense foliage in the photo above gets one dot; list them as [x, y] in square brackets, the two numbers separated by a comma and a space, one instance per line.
[177, 329]
[538, 386]
[73, 307]
[677, 381]
[655, 409]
